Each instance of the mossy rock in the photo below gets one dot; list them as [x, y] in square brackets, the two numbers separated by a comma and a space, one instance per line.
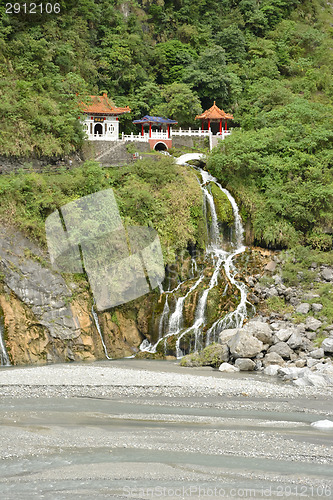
[213, 301]
[223, 206]
[193, 359]
[149, 355]
[214, 355]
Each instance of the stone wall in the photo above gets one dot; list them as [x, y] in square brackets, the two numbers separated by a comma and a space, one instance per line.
[190, 142]
[114, 154]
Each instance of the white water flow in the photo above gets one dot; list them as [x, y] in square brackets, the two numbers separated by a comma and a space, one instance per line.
[4, 359]
[98, 327]
[164, 319]
[219, 256]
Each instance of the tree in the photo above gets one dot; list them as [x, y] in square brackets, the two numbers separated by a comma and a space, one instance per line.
[180, 103]
[210, 78]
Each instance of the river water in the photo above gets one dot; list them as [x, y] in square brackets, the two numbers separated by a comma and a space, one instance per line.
[140, 438]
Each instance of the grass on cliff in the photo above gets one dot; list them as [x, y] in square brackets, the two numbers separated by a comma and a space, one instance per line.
[156, 193]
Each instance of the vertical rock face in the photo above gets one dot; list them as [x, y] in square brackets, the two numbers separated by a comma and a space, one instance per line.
[41, 324]
[47, 320]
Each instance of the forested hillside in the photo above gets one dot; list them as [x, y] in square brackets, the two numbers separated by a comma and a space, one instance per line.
[269, 62]
[167, 56]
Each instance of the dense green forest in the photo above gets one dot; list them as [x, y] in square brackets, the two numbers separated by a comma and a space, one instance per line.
[269, 62]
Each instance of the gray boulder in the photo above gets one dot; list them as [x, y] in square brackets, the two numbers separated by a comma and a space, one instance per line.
[292, 373]
[273, 358]
[312, 324]
[271, 370]
[316, 307]
[228, 368]
[310, 335]
[311, 379]
[283, 335]
[271, 266]
[327, 274]
[317, 353]
[226, 335]
[296, 341]
[245, 364]
[244, 345]
[283, 349]
[303, 308]
[327, 345]
[260, 330]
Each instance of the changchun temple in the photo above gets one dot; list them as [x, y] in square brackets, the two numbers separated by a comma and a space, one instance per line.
[101, 123]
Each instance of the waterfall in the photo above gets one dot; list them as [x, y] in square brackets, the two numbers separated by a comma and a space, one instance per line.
[220, 257]
[4, 358]
[100, 332]
[164, 318]
[194, 267]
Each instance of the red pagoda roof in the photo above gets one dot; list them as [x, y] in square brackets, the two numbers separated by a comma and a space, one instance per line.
[214, 113]
[102, 106]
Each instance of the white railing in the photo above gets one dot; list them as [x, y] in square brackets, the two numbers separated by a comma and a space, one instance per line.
[197, 132]
[158, 135]
[133, 137]
[102, 137]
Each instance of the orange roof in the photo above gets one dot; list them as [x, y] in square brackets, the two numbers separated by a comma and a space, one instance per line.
[102, 106]
[214, 113]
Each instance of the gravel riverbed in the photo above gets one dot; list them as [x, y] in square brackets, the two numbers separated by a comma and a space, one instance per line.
[146, 429]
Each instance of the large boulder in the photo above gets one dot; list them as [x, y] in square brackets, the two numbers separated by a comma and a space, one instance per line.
[283, 349]
[191, 360]
[283, 334]
[226, 335]
[312, 380]
[312, 324]
[271, 370]
[260, 330]
[214, 355]
[327, 345]
[244, 345]
[317, 353]
[245, 364]
[303, 308]
[228, 368]
[327, 274]
[296, 341]
[273, 358]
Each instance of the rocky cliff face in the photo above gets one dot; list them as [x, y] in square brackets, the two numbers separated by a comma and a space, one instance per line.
[49, 320]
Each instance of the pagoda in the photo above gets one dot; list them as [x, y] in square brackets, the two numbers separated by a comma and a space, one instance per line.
[217, 115]
[100, 118]
[160, 137]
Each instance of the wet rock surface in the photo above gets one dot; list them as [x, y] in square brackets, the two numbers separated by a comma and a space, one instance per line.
[295, 344]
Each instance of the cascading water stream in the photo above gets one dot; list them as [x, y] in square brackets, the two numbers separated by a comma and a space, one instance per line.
[4, 358]
[164, 318]
[100, 332]
[220, 257]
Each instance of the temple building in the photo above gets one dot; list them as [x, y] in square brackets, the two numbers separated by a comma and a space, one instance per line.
[158, 134]
[100, 118]
[215, 115]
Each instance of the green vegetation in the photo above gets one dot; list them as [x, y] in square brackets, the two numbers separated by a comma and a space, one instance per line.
[279, 164]
[269, 62]
[298, 261]
[150, 192]
[223, 206]
[278, 305]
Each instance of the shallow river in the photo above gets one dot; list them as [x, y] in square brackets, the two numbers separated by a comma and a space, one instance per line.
[118, 441]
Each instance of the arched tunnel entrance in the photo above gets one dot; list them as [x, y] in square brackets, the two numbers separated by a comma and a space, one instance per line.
[160, 146]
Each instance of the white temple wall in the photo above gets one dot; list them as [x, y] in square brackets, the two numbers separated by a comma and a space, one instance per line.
[104, 128]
